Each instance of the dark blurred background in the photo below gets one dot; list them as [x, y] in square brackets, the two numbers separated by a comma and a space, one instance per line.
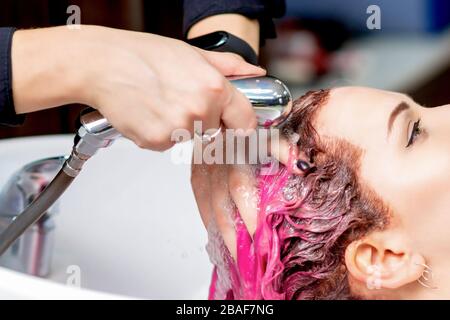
[322, 43]
[328, 43]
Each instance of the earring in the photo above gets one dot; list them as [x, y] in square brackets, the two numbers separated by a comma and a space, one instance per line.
[427, 275]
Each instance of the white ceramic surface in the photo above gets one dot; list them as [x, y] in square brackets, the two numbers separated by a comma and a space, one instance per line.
[129, 224]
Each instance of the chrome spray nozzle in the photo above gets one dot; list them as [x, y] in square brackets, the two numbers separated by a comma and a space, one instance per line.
[270, 97]
[94, 132]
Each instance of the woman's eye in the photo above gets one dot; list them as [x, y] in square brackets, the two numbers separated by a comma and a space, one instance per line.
[415, 132]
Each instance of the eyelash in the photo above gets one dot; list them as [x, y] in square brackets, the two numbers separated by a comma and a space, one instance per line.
[416, 131]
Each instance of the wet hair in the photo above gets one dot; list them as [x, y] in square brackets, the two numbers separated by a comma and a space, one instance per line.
[305, 222]
[313, 218]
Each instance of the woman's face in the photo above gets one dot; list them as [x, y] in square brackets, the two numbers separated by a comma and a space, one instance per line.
[405, 160]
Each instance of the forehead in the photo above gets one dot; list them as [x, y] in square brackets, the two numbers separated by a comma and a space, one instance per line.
[358, 115]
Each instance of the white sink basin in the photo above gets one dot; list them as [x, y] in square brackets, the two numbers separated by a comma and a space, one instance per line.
[129, 224]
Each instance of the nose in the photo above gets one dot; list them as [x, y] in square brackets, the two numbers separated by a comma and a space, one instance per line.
[437, 124]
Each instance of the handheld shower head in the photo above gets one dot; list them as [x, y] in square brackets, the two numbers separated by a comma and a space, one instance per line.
[271, 99]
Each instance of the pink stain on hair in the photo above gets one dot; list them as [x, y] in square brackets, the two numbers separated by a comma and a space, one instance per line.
[258, 259]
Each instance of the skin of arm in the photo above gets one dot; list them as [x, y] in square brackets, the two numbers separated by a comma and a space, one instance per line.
[47, 70]
[236, 24]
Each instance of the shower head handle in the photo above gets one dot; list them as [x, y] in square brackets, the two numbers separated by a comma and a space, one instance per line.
[270, 98]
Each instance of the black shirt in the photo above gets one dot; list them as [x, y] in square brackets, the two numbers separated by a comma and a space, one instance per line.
[263, 10]
[7, 113]
[194, 11]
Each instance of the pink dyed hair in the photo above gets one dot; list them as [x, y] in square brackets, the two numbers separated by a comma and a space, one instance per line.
[310, 230]
[304, 222]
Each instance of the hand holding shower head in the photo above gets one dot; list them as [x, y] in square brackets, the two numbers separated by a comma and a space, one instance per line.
[270, 98]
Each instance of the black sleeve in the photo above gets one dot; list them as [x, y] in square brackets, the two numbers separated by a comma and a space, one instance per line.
[7, 113]
[263, 10]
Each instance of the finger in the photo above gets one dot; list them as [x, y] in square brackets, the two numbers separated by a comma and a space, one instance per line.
[237, 112]
[280, 148]
[210, 123]
[142, 127]
[231, 64]
[283, 150]
[154, 135]
[244, 193]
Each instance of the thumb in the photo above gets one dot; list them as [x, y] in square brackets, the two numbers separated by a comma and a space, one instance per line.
[231, 64]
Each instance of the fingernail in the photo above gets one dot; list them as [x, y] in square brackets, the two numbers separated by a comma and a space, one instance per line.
[303, 165]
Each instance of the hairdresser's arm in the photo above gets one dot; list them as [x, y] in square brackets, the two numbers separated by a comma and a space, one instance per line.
[145, 85]
[251, 20]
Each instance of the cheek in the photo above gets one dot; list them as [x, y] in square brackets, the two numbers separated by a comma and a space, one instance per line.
[418, 191]
[426, 178]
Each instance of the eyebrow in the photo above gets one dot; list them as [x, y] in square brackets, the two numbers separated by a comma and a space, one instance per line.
[402, 106]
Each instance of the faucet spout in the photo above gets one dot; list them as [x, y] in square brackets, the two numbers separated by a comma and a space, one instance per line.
[32, 252]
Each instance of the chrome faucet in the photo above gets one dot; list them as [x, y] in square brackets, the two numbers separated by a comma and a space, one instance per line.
[32, 252]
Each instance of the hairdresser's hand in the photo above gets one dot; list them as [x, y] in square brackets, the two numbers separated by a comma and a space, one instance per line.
[145, 85]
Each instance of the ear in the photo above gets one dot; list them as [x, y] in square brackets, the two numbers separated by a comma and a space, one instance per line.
[384, 260]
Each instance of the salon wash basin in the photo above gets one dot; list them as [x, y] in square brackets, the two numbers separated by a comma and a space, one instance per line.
[128, 227]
